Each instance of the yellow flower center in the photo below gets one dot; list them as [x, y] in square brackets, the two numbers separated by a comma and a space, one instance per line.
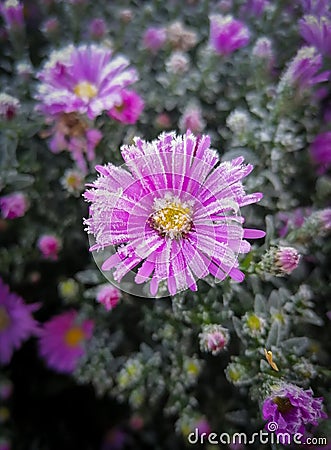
[254, 323]
[4, 319]
[84, 89]
[172, 218]
[74, 336]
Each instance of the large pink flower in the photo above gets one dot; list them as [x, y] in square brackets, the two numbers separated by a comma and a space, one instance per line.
[85, 79]
[171, 213]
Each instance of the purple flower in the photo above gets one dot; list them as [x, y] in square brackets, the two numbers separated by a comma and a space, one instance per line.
[154, 38]
[62, 341]
[13, 205]
[84, 79]
[97, 28]
[227, 34]
[128, 109]
[292, 408]
[12, 13]
[292, 219]
[302, 71]
[320, 151]
[171, 213]
[315, 7]
[16, 322]
[316, 31]
[254, 7]
[49, 246]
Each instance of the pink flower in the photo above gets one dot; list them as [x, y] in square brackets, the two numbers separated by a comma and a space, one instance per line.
[109, 297]
[171, 213]
[154, 38]
[62, 341]
[72, 133]
[128, 109]
[214, 338]
[280, 261]
[84, 80]
[97, 28]
[163, 121]
[203, 426]
[49, 246]
[287, 259]
[227, 34]
[192, 119]
[13, 205]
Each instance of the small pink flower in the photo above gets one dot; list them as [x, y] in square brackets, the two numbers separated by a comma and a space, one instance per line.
[154, 38]
[71, 132]
[9, 106]
[178, 63]
[203, 427]
[97, 28]
[227, 34]
[192, 119]
[49, 246]
[163, 121]
[180, 37]
[129, 109]
[287, 259]
[136, 422]
[13, 205]
[51, 26]
[213, 338]
[109, 297]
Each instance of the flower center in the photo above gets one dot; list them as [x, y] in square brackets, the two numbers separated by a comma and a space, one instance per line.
[84, 89]
[254, 323]
[283, 404]
[4, 319]
[74, 336]
[120, 108]
[171, 218]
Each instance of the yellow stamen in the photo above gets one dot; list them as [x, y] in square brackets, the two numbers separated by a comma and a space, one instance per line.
[172, 218]
[74, 336]
[84, 89]
[4, 319]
